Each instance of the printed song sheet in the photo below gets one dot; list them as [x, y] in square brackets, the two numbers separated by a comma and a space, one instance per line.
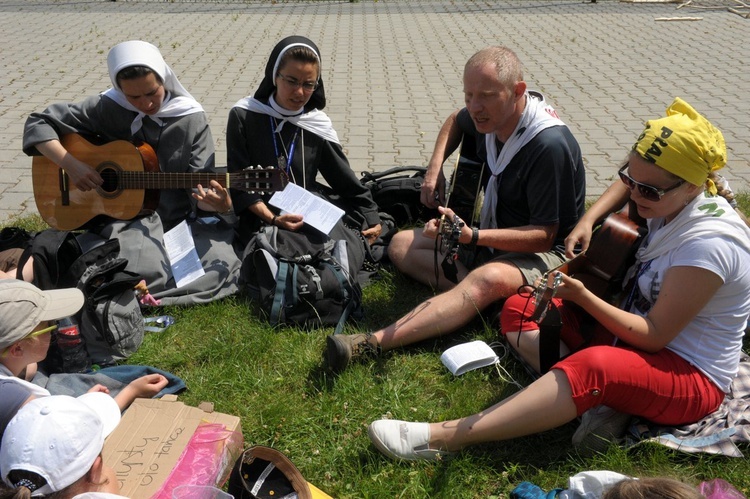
[316, 211]
[186, 266]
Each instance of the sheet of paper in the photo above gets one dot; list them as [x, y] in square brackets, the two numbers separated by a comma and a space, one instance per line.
[316, 211]
[186, 266]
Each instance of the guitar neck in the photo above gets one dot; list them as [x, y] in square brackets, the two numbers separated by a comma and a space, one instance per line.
[162, 180]
[261, 180]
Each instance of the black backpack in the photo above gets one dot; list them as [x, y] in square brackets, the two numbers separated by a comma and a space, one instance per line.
[305, 278]
[110, 322]
[397, 192]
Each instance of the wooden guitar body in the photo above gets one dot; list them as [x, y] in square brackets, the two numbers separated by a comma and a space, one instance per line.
[602, 266]
[132, 181]
[65, 207]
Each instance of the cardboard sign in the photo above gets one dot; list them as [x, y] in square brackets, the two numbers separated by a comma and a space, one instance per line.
[148, 442]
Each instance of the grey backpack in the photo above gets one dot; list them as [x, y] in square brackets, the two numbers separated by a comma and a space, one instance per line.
[110, 322]
[305, 278]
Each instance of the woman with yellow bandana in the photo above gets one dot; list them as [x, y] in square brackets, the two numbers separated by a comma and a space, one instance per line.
[678, 334]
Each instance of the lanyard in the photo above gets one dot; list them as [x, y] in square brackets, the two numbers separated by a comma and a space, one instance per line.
[287, 168]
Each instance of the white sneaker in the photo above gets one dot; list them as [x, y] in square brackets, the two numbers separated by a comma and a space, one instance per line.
[600, 426]
[403, 440]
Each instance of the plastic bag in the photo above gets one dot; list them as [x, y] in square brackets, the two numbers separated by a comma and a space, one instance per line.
[719, 489]
[207, 459]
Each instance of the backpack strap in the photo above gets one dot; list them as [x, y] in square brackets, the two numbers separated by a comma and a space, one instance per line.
[319, 295]
[549, 335]
[369, 176]
[346, 288]
[549, 339]
[292, 292]
[280, 293]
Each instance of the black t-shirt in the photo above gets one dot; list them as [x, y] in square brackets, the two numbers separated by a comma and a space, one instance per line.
[544, 183]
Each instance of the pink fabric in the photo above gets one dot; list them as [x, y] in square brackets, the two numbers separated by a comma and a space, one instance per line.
[207, 459]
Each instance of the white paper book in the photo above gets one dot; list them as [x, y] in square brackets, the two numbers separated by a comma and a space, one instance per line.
[183, 258]
[468, 356]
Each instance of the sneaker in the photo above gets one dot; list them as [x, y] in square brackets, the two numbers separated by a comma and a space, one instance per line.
[403, 440]
[600, 427]
[341, 349]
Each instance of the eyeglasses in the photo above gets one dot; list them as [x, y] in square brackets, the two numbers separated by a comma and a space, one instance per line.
[33, 334]
[307, 86]
[648, 192]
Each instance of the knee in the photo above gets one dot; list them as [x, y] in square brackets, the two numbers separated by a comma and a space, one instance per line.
[493, 281]
[398, 248]
[595, 362]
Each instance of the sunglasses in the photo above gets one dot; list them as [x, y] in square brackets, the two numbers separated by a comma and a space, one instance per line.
[648, 192]
[33, 334]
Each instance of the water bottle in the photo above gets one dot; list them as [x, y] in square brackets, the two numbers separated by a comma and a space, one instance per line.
[72, 347]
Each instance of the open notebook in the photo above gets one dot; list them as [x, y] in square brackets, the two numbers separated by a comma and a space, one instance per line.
[468, 356]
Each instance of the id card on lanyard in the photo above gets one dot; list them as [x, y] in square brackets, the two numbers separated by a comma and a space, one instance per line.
[284, 163]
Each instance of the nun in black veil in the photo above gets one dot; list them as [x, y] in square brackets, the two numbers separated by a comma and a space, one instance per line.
[283, 125]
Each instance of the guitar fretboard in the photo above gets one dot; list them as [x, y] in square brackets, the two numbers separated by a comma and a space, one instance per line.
[258, 179]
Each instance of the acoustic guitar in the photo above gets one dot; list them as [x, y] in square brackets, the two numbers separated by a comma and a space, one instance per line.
[132, 181]
[601, 267]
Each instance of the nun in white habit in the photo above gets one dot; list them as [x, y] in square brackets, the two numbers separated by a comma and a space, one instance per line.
[148, 104]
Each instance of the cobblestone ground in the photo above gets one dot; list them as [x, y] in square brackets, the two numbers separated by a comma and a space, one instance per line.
[392, 69]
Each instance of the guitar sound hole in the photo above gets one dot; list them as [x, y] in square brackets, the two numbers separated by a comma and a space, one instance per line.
[111, 177]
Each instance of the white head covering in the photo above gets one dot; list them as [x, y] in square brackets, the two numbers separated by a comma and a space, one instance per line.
[310, 117]
[58, 438]
[315, 121]
[292, 45]
[178, 101]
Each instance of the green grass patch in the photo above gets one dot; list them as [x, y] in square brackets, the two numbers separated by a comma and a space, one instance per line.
[275, 380]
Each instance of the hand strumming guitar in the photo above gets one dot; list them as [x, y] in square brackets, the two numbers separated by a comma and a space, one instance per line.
[83, 176]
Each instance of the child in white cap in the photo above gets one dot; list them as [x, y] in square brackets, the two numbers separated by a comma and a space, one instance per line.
[54, 446]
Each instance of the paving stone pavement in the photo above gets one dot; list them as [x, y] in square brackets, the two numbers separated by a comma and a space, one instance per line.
[392, 69]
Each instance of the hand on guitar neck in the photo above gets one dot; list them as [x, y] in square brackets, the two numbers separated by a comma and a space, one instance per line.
[213, 198]
[83, 176]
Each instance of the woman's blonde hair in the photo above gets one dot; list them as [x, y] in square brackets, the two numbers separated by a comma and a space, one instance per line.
[652, 488]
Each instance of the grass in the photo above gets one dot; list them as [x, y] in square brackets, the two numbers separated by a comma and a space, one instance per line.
[276, 381]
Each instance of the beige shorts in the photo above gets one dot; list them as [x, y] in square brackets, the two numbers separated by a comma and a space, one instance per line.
[531, 265]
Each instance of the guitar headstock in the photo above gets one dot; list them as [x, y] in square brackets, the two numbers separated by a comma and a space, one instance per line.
[543, 294]
[259, 179]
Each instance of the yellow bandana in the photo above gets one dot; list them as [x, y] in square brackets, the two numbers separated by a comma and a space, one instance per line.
[683, 143]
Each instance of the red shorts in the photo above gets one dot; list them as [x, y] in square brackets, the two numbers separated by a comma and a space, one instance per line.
[518, 308]
[661, 387]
